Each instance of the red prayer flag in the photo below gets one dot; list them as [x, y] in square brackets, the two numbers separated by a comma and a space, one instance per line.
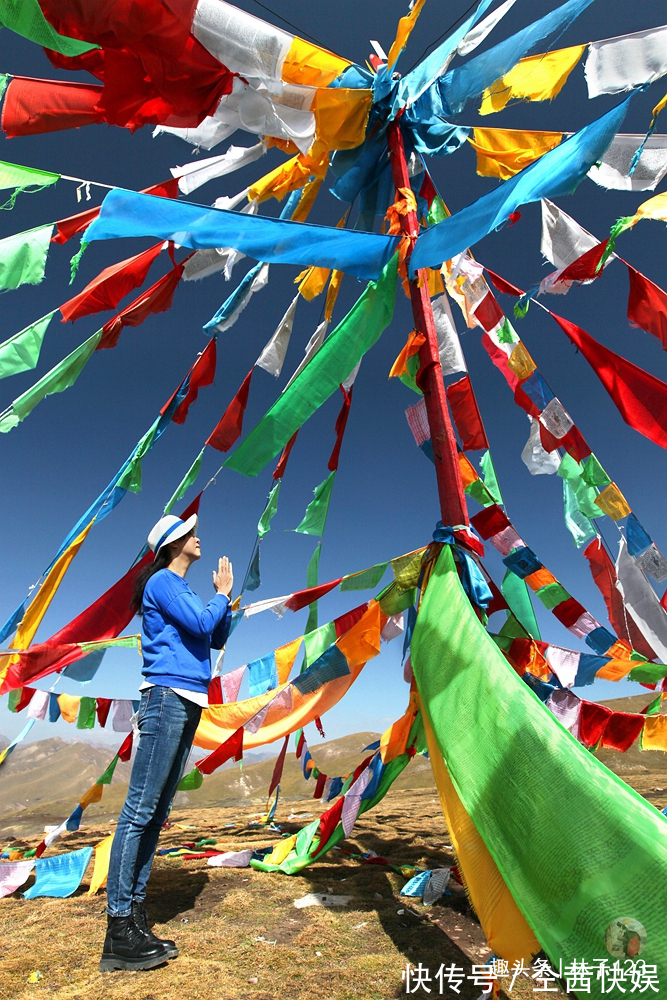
[102, 707]
[25, 699]
[282, 461]
[466, 415]
[488, 312]
[203, 373]
[34, 106]
[592, 721]
[640, 398]
[300, 745]
[604, 576]
[490, 521]
[328, 823]
[647, 306]
[215, 692]
[232, 747]
[567, 612]
[278, 768]
[304, 597]
[621, 731]
[427, 191]
[341, 424]
[319, 785]
[158, 298]
[503, 285]
[69, 227]
[345, 622]
[584, 268]
[499, 358]
[230, 426]
[155, 71]
[125, 751]
[111, 285]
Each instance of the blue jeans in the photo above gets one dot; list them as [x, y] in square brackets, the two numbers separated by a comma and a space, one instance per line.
[167, 725]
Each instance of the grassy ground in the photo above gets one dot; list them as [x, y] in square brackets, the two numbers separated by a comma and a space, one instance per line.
[238, 931]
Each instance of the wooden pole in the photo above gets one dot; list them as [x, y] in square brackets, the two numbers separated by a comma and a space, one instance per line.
[453, 507]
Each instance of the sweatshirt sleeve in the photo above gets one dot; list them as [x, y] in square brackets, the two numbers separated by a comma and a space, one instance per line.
[222, 629]
[186, 611]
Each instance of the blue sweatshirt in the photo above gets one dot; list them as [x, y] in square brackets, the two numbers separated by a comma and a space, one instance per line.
[178, 632]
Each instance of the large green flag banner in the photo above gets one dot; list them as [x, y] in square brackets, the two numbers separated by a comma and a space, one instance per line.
[340, 352]
[583, 855]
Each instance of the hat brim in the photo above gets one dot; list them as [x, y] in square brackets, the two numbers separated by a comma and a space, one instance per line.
[179, 532]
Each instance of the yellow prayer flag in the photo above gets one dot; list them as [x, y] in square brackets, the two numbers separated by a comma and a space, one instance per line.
[69, 706]
[655, 208]
[285, 657]
[394, 740]
[503, 152]
[101, 867]
[616, 670]
[468, 474]
[403, 32]
[654, 735]
[94, 794]
[332, 294]
[307, 199]
[310, 66]
[362, 642]
[281, 850]
[407, 568]
[341, 116]
[520, 362]
[535, 78]
[312, 282]
[612, 502]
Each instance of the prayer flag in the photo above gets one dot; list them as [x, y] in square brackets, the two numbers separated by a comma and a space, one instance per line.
[316, 512]
[111, 285]
[23, 257]
[230, 426]
[158, 298]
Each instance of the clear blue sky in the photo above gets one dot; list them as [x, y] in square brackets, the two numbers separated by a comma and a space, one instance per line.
[385, 500]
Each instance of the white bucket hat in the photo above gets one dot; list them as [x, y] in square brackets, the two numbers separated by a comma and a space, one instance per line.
[168, 529]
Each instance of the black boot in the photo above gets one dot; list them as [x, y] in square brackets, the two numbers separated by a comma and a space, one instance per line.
[140, 918]
[127, 947]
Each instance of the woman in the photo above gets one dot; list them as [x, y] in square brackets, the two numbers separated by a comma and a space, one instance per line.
[178, 633]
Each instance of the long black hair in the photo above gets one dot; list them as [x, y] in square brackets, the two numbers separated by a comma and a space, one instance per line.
[161, 561]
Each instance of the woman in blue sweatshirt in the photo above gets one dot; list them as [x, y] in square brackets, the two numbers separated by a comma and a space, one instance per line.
[178, 633]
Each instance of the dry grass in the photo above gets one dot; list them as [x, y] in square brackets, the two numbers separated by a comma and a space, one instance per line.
[217, 915]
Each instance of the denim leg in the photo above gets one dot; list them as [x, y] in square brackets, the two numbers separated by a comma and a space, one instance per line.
[163, 718]
[150, 836]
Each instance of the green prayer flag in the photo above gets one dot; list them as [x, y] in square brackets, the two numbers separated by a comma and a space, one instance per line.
[264, 525]
[394, 599]
[4, 80]
[577, 524]
[187, 481]
[21, 352]
[552, 595]
[516, 593]
[320, 379]
[13, 699]
[58, 379]
[26, 18]
[478, 491]
[317, 641]
[513, 628]
[23, 257]
[124, 642]
[18, 177]
[648, 673]
[437, 212]
[312, 571]
[86, 717]
[516, 768]
[316, 512]
[507, 334]
[490, 480]
[105, 779]
[571, 472]
[366, 579]
[191, 781]
[131, 478]
[409, 376]
[592, 472]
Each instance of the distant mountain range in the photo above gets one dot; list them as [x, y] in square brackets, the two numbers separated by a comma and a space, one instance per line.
[41, 782]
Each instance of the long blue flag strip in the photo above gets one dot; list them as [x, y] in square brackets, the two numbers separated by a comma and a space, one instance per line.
[556, 173]
[472, 79]
[128, 213]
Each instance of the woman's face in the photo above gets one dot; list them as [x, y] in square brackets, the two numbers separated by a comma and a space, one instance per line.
[191, 547]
